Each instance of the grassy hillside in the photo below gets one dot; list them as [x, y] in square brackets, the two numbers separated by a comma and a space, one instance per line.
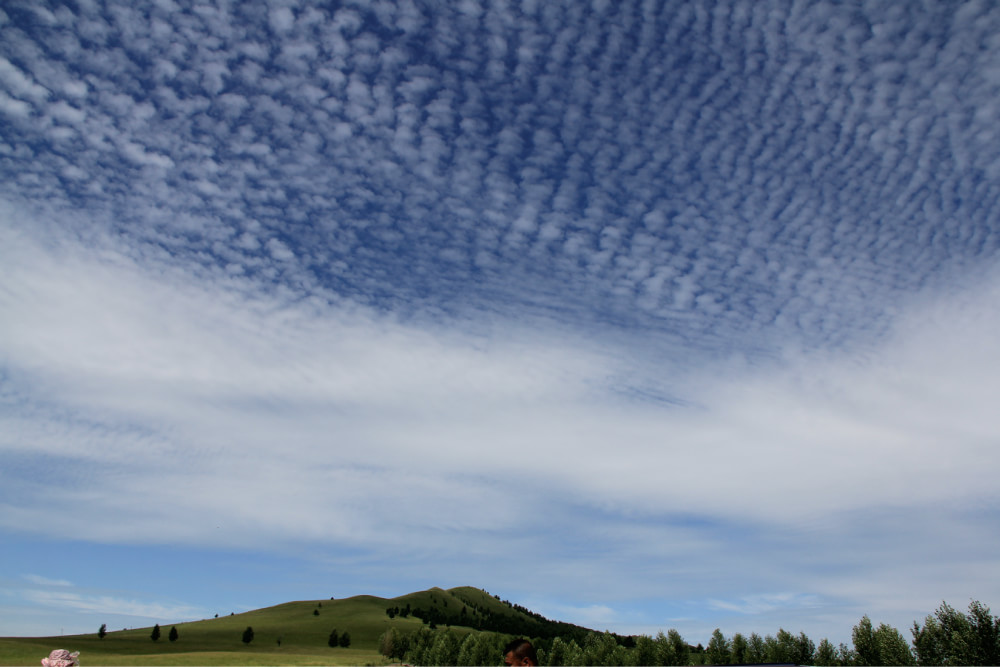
[303, 632]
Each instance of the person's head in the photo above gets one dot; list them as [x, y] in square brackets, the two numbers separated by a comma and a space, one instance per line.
[519, 653]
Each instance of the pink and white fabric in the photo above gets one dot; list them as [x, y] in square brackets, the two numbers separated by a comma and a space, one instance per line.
[60, 658]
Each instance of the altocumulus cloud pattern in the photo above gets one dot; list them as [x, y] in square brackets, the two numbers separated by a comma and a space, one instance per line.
[716, 277]
[715, 169]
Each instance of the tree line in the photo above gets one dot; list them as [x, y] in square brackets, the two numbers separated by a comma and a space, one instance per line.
[154, 635]
[519, 621]
[335, 640]
[947, 637]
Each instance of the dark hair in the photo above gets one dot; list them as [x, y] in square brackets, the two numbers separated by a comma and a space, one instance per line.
[521, 648]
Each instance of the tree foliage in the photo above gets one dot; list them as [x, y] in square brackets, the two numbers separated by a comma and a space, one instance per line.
[155, 634]
[481, 648]
[393, 644]
[673, 650]
[739, 649]
[949, 637]
[719, 649]
[444, 650]
[173, 635]
[103, 631]
[826, 653]
[879, 646]
[248, 635]
[781, 648]
[645, 650]
[756, 651]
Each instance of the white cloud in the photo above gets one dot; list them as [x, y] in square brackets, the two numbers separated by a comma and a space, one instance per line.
[13, 107]
[212, 374]
[21, 84]
[279, 250]
[45, 581]
[111, 605]
[757, 604]
[138, 154]
[281, 19]
[66, 113]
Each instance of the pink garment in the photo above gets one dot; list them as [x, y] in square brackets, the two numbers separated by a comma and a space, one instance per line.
[60, 658]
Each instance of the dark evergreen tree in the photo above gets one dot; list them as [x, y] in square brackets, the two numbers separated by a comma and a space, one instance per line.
[103, 631]
[155, 634]
[345, 639]
[248, 635]
[333, 640]
[173, 634]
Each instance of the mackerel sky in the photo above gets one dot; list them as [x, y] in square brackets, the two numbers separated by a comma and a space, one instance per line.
[644, 315]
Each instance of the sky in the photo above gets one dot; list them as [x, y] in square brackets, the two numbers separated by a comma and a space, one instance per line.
[643, 315]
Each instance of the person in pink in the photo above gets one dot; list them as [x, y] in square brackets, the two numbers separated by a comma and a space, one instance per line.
[61, 658]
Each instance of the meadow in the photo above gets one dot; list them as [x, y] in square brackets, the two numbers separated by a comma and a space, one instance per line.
[294, 633]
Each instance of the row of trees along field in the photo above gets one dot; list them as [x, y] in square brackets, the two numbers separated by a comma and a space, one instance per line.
[517, 621]
[154, 635]
[342, 639]
[947, 637]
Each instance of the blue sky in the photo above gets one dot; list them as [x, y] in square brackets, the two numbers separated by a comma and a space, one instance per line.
[644, 315]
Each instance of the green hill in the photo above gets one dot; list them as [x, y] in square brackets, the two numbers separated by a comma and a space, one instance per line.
[303, 629]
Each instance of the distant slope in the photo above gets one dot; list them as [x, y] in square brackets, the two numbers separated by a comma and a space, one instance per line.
[479, 610]
[307, 624]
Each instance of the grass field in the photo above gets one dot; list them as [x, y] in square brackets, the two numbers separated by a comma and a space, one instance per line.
[303, 633]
